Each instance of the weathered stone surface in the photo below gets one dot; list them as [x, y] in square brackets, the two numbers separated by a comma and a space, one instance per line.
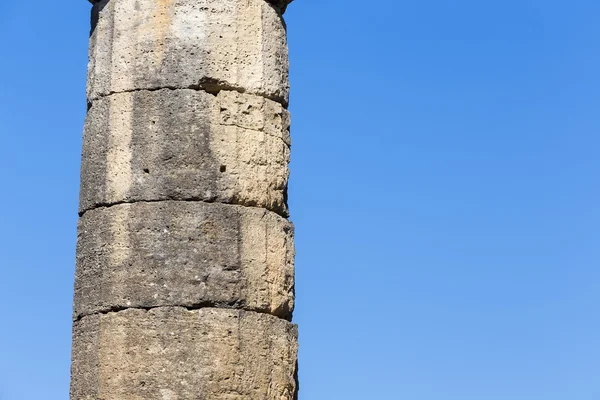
[173, 353]
[184, 145]
[184, 253]
[149, 44]
[280, 4]
[185, 261]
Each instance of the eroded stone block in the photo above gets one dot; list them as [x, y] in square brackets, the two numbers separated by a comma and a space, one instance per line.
[186, 145]
[172, 253]
[173, 353]
[151, 44]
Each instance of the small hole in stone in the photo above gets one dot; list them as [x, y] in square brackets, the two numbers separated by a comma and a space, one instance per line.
[146, 170]
[223, 168]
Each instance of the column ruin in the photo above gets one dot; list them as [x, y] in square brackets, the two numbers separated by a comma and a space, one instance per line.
[184, 286]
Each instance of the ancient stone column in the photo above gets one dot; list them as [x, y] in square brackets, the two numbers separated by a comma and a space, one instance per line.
[184, 286]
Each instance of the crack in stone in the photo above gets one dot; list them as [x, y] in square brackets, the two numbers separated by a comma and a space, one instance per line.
[233, 305]
[259, 131]
[207, 85]
[186, 200]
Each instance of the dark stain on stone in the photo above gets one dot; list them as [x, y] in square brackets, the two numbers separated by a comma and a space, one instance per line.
[96, 10]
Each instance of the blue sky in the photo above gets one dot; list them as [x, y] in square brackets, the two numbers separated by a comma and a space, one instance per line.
[444, 189]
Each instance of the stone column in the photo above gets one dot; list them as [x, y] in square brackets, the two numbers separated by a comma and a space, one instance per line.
[184, 286]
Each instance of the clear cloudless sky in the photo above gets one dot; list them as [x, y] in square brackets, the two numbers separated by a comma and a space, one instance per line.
[445, 190]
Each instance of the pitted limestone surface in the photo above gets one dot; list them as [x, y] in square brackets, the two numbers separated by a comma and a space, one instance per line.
[186, 145]
[173, 353]
[211, 44]
[185, 261]
[172, 253]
